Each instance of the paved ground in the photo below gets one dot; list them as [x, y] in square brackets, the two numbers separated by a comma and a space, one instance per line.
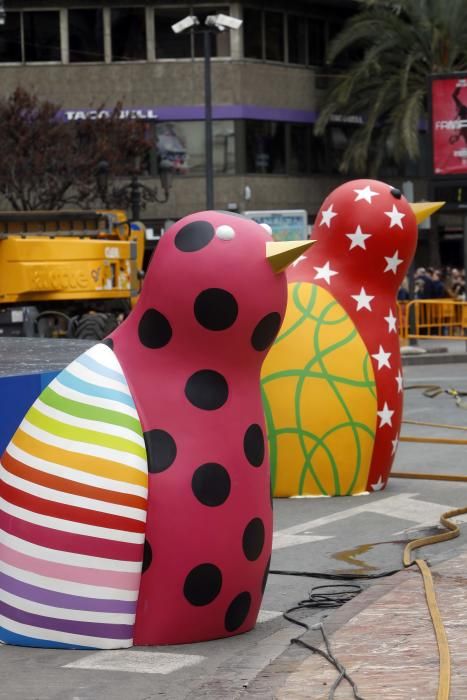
[385, 640]
[383, 637]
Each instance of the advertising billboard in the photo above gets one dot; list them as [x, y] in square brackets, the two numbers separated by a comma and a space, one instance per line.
[286, 224]
[449, 124]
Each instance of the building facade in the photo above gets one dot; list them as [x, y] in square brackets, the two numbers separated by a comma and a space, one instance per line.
[267, 82]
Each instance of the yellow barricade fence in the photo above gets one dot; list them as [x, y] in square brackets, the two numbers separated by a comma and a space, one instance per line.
[433, 318]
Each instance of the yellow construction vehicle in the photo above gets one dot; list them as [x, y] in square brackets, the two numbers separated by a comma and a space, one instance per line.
[68, 273]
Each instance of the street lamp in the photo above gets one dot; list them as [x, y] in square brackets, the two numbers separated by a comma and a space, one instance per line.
[135, 191]
[213, 24]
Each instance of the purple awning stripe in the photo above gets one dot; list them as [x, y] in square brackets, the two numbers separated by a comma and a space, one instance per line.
[63, 600]
[68, 541]
[90, 629]
[196, 112]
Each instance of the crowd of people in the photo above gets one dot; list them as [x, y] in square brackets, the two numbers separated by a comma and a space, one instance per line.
[431, 283]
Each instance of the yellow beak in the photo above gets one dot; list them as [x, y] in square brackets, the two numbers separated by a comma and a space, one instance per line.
[423, 210]
[281, 253]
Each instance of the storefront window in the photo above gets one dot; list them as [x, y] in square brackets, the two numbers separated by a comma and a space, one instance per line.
[86, 37]
[265, 146]
[10, 39]
[128, 34]
[41, 36]
[299, 154]
[296, 39]
[183, 144]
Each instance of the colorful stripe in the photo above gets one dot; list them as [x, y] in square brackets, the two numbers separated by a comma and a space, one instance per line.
[63, 600]
[73, 489]
[120, 580]
[35, 476]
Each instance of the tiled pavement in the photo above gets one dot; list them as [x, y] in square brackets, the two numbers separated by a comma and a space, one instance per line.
[385, 640]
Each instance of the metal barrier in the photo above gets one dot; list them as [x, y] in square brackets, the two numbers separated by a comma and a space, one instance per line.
[433, 318]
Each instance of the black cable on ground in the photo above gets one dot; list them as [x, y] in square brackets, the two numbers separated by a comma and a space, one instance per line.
[328, 597]
[334, 577]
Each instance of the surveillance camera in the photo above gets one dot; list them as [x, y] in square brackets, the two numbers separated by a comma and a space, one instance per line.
[185, 23]
[223, 22]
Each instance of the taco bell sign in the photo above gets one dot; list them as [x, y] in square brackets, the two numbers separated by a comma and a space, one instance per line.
[146, 114]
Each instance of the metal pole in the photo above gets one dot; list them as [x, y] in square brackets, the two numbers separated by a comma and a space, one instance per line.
[208, 120]
[411, 276]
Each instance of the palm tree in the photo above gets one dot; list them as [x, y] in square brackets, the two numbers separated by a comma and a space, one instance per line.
[400, 44]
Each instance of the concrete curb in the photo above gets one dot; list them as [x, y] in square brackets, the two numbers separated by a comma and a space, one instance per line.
[431, 358]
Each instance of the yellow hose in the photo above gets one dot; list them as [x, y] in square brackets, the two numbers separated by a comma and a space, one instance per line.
[452, 531]
[435, 425]
[435, 441]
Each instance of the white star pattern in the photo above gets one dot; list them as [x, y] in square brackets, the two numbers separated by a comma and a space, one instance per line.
[386, 415]
[363, 300]
[391, 320]
[382, 358]
[325, 273]
[366, 193]
[295, 262]
[396, 217]
[399, 379]
[358, 238]
[379, 484]
[327, 216]
[394, 446]
[393, 263]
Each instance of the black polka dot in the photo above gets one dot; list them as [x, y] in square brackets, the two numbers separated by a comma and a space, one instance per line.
[109, 342]
[216, 309]
[237, 612]
[154, 330]
[203, 584]
[253, 539]
[207, 389]
[147, 556]
[253, 445]
[194, 236]
[161, 450]
[211, 484]
[265, 576]
[266, 331]
[395, 193]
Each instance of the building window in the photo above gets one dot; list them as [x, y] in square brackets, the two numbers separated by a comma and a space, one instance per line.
[274, 32]
[183, 144]
[128, 29]
[296, 39]
[41, 36]
[220, 41]
[307, 37]
[265, 146]
[86, 36]
[168, 44]
[188, 44]
[10, 39]
[316, 41]
[252, 33]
